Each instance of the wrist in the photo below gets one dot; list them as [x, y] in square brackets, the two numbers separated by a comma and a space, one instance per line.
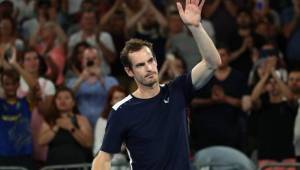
[54, 129]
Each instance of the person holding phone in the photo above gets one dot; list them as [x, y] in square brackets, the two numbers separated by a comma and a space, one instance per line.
[91, 87]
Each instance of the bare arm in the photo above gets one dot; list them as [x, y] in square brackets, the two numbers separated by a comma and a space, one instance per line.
[162, 21]
[102, 161]
[259, 88]
[204, 70]
[286, 92]
[132, 21]
[84, 134]
[47, 133]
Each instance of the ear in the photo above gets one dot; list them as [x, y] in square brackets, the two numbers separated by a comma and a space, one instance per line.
[128, 71]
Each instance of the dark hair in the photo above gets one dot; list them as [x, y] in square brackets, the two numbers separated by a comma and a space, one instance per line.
[42, 63]
[133, 45]
[53, 114]
[108, 106]
[12, 74]
[74, 57]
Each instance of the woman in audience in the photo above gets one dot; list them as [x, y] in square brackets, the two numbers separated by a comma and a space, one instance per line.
[274, 115]
[115, 94]
[67, 133]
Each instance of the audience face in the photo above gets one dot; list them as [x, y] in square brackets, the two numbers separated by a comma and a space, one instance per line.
[116, 97]
[224, 57]
[175, 24]
[10, 86]
[64, 101]
[243, 19]
[88, 21]
[272, 87]
[48, 31]
[294, 82]
[90, 54]
[31, 62]
[6, 27]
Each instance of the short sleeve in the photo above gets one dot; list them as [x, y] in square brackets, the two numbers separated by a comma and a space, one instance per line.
[114, 133]
[184, 83]
[49, 88]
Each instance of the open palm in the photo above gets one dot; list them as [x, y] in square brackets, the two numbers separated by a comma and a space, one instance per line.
[191, 15]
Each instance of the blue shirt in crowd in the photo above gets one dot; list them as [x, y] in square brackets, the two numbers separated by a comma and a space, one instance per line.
[154, 130]
[91, 97]
[15, 133]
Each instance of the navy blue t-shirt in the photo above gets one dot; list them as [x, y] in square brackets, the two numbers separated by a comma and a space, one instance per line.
[154, 130]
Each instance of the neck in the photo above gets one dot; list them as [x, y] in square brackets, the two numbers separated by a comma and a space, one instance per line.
[67, 114]
[223, 69]
[145, 92]
[88, 32]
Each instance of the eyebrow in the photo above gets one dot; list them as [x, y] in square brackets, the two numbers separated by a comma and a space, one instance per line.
[142, 64]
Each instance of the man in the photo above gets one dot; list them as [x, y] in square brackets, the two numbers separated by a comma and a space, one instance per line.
[89, 33]
[152, 121]
[216, 115]
[294, 85]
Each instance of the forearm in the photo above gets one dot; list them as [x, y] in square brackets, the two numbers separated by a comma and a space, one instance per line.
[232, 101]
[109, 55]
[47, 136]
[202, 102]
[206, 46]
[101, 163]
[132, 21]
[289, 28]
[257, 91]
[286, 92]
[30, 80]
[107, 16]
[83, 139]
[77, 84]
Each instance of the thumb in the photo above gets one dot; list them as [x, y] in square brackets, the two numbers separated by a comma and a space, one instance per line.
[180, 9]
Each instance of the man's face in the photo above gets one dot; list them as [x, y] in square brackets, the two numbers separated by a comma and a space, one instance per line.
[10, 87]
[143, 67]
[294, 82]
[88, 21]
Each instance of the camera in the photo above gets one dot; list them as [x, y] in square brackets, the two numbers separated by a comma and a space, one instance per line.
[90, 63]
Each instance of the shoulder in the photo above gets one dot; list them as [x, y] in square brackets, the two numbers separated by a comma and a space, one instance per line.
[122, 103]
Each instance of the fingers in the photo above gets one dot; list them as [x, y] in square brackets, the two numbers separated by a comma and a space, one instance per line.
[201, 4]
[180, 9]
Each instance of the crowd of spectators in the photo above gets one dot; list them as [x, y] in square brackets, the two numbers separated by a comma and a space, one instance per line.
[61, 74]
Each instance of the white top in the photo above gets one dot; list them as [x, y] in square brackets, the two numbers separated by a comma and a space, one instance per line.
[25, 10]
[47, 87]
[99, 134]
[74, 6]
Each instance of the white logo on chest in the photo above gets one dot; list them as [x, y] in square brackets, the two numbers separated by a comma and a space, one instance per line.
[166, 100]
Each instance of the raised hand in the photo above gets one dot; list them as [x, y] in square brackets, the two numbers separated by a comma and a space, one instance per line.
[191, 15]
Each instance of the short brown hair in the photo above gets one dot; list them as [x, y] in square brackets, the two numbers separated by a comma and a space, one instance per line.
[133, 45]
[12, 74]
